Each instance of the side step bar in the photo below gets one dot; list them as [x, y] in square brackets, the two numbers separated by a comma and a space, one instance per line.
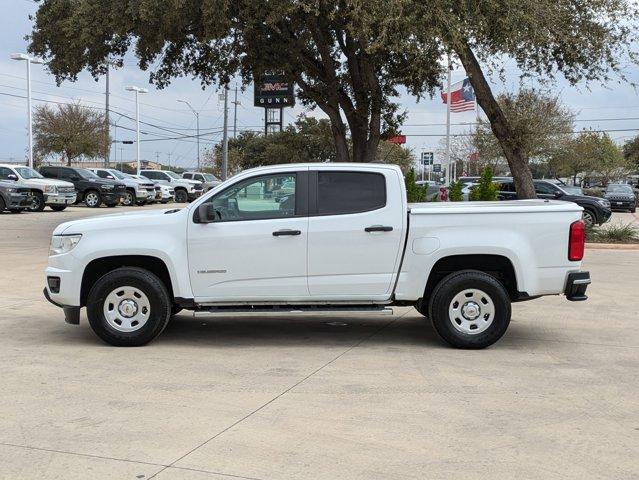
[291, 309]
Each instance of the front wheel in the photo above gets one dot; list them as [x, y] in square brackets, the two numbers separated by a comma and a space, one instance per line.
[181, 196]
[470, 309]
[92, 199]
[589, 218]
[37, 202]
[128, 307]
[129, 198]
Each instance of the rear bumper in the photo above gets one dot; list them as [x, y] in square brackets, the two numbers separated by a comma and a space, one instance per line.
[576, 286]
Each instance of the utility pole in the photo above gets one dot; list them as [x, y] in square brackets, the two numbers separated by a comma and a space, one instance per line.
[169, 160]
[225, 138]
[157, 157]
[107, 153]
[235, 104]
[197, 121]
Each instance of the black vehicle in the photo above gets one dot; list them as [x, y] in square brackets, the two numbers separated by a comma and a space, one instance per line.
[621, 197]
[596, 210]
[91, 189]
[14, 198]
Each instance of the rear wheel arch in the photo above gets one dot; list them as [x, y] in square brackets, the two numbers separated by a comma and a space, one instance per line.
[498, 266]
[99, 267]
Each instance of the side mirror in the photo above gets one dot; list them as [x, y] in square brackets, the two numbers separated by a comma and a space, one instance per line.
[206, 213]
[13, 177]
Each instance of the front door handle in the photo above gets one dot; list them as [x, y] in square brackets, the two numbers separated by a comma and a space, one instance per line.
[281, 233]
[378, 228]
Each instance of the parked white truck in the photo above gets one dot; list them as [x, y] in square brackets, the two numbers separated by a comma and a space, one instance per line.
[343, 239]
[57, 194]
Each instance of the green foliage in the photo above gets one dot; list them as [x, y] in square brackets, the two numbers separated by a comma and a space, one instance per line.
[455, 192]
[485, 190]
[70, 131]
[415, 193]
[631, 152]
[613, 233]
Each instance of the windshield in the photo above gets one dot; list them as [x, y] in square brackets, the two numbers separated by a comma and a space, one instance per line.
[116, 174]
[173, 175]
[84, 173]
[209, 178]
[27, 173]
[619, 189]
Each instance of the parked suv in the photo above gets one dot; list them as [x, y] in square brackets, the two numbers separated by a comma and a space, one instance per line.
[596, 210]
[621, 197]
[208, 179]
[185, 190]
[137, 191]
[91, 189]
[57, 194]
[13, 198]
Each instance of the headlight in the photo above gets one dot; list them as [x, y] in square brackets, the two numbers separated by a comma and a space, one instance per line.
[63, 244]
[107, 187]
[12, 190]
[50, 189]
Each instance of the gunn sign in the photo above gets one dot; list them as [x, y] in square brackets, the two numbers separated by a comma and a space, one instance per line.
[274, 91]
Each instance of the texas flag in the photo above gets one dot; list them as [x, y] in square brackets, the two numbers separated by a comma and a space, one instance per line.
[462, 96]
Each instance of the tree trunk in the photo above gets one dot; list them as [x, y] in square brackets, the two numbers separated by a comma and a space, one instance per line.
[499, 124]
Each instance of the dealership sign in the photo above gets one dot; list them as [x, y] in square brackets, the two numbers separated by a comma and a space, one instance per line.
[274, 91]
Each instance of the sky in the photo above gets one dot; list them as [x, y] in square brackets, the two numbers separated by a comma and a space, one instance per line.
[613, 107]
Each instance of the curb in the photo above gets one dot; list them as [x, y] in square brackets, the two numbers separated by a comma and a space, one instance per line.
[613, 246]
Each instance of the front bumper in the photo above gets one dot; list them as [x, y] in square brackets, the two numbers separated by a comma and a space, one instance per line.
[71, 313]
[112, 197]
[60, 199]
[622, 204]
[576, 286]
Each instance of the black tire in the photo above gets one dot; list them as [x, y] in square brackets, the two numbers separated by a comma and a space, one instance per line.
[443, 298]
[2, 205]
[16, 210]
[164, 202]
[129, 198]
[58, 208]
[37, 202]
[589, 217]
[181, 196]
[89, 199]
[111, 205]
[175, 309]
[141, 204]
[150, 285]
[633, 210]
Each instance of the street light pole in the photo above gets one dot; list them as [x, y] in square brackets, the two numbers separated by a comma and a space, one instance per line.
[137, 91]
[225, 137]
[197, 121]
[29, 60]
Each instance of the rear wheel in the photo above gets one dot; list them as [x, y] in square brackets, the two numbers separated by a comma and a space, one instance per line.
[181, 196]
[58, 208]
[128, 307]
[92, 199]
[2, 205]
[37, 202]
[470, 309]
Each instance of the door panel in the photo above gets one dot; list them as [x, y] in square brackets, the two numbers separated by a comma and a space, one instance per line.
[256, 251]
[346, 261]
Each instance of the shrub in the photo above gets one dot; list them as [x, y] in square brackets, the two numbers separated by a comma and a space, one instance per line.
[415, 193]
[618, 233]
[485, 190]
[455, 192]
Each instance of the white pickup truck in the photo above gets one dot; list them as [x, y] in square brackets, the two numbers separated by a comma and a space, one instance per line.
[343, 238]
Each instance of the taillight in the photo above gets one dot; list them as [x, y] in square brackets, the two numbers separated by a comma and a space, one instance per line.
[577, 241]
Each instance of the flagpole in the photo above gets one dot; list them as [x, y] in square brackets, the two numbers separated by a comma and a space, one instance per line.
[478, 116]
[448, 170]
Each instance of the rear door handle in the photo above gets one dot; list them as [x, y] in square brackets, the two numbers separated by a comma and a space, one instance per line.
[378, 228]
[281, 233]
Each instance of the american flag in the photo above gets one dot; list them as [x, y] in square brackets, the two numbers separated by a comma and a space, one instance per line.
[462, 96]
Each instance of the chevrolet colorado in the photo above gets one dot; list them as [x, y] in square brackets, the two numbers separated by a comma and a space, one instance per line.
[343, 238]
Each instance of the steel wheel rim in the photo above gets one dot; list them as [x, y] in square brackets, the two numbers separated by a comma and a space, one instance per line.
[127, 309]
[92, 199]
[471, 311]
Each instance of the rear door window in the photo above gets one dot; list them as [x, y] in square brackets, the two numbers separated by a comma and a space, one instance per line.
[340, 193]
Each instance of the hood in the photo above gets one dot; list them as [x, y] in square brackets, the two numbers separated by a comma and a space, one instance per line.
[126, 221]
[576, 198]
[48, 181]
[192, 182]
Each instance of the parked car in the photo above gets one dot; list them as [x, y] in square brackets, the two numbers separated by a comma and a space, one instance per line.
[14, 198]
[138, 192]
[90, 189]
[163, 193]
[185, 190]
[466, 187]
[57, 194]
[345, 241]
[207, 179]
[432, 187]
[621, 197]
[596, 210]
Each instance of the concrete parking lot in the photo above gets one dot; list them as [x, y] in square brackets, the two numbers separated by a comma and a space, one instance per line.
[321, 397]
